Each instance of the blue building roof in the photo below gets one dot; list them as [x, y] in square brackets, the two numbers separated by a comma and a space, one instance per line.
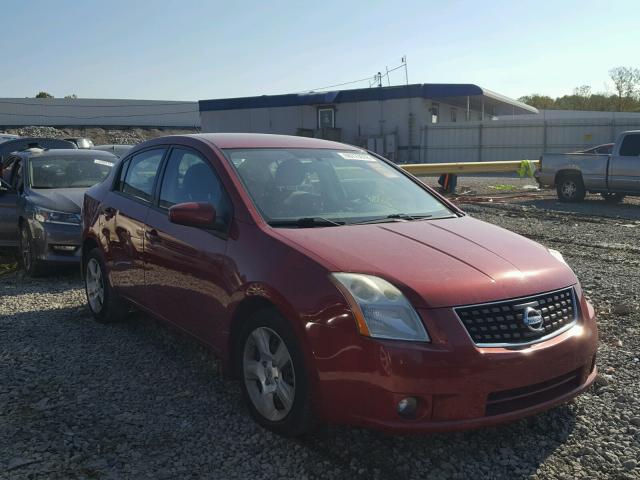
[449, 91]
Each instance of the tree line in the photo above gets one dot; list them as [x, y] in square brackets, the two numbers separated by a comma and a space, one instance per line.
[48, 95]
[625, 97]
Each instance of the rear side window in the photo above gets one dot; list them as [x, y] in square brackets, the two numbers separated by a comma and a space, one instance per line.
[16, 177]
[630, 146]
[138, 175]
[189, 178]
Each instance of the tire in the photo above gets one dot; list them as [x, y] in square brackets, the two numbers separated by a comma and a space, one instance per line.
[612, 197]
[105, 304]
[570, 188]
[275, 384]
[31, 265]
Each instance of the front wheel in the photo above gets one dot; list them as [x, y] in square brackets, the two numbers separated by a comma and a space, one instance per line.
[274, 380]
[105, 304]
[570, 188]
[32, 266]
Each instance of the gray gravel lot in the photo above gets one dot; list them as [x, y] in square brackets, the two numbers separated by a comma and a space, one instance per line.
[140, 400]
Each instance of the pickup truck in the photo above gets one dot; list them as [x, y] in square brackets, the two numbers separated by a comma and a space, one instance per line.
[613, 176]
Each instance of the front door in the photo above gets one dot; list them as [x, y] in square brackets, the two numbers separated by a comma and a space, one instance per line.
[8, 215]
[187, 270]
[624, 168]
[124, 214]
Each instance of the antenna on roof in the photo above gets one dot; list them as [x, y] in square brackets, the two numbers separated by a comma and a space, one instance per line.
[406, 73]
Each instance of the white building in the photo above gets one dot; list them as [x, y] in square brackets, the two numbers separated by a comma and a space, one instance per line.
[392, 121]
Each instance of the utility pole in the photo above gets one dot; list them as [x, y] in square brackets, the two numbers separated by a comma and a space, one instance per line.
[379, 79]
[406, 72]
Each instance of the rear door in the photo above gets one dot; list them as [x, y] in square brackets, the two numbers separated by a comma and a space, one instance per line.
[624, 168]
[124, 213]
[187, 270]
[8, 215]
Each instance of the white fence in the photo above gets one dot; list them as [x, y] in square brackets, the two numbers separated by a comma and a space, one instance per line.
[517, 139]
[18, 112]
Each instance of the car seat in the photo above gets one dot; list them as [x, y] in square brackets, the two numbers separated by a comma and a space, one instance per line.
[200, 185]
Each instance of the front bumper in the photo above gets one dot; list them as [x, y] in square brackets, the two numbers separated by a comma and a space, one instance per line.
[458, 385]
[544, 178]
[56, 244]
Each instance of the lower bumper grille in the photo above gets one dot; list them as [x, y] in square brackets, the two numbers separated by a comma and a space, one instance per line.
[520, 321]
[506, 401]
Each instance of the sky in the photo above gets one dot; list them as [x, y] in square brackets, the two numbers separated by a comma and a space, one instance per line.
[193, 50]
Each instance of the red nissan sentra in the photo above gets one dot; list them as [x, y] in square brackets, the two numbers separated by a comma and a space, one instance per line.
[335, 286]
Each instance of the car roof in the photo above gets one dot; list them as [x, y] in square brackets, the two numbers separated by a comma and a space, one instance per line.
[66, 152]
[112, 145]
[261, 140]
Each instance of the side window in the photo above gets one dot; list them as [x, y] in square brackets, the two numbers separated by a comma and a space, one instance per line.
[6, 168]
[141, 173]
[189, 178]
[16, 176]
[121, 174]
[630, 146]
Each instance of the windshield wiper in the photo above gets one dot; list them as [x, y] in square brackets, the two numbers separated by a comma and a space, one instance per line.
[394, 217]
[306, 222]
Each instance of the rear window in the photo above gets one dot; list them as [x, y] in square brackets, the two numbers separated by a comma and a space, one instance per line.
[630, 146]
[69, 172]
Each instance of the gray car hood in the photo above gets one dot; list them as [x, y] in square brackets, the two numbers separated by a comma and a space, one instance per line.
[60, 199]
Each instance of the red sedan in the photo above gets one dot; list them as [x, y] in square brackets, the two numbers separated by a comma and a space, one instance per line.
[335, 286]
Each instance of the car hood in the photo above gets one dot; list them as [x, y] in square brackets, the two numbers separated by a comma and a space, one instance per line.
[439, 263]
[60, 199]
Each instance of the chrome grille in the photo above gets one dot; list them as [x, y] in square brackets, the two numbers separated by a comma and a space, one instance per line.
[505, 323]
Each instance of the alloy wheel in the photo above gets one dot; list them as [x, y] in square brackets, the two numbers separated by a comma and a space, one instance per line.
[95, 285]
[269, 374]
[569, 188]
[25, 248]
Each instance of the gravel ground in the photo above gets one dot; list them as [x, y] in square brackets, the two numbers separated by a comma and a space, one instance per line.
[100, 136]
[140, 400]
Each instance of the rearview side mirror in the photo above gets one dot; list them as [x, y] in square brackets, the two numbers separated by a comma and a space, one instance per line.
[193, 214]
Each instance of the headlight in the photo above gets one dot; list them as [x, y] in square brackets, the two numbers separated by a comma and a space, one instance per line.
[45, 215]
[557, 255]
[381, 310]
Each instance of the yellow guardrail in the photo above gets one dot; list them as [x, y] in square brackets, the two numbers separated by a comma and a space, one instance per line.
[517, 166]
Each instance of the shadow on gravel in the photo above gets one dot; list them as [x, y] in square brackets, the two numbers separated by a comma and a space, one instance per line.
[80, 399]
[513, 450]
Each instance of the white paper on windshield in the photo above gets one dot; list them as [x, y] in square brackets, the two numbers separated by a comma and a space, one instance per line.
[357, 156]
[102, 162]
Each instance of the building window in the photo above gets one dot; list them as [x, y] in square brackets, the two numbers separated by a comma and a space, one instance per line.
[454, 115]
[326, 117]
[435, 112]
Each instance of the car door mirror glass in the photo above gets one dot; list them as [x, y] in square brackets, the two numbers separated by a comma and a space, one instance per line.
[193, 214]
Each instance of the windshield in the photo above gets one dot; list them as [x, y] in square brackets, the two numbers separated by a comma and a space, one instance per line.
[340, 186]
[68, 172]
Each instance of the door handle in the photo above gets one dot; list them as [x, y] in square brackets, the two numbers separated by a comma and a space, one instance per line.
[152, 235]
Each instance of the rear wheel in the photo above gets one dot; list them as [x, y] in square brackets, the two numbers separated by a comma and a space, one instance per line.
[612, 197]
[570, 188]
[274, 381]
[105, 304]
[32, 266]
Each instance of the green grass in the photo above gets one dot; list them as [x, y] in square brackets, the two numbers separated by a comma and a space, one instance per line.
[8, 262]
[504, 188]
